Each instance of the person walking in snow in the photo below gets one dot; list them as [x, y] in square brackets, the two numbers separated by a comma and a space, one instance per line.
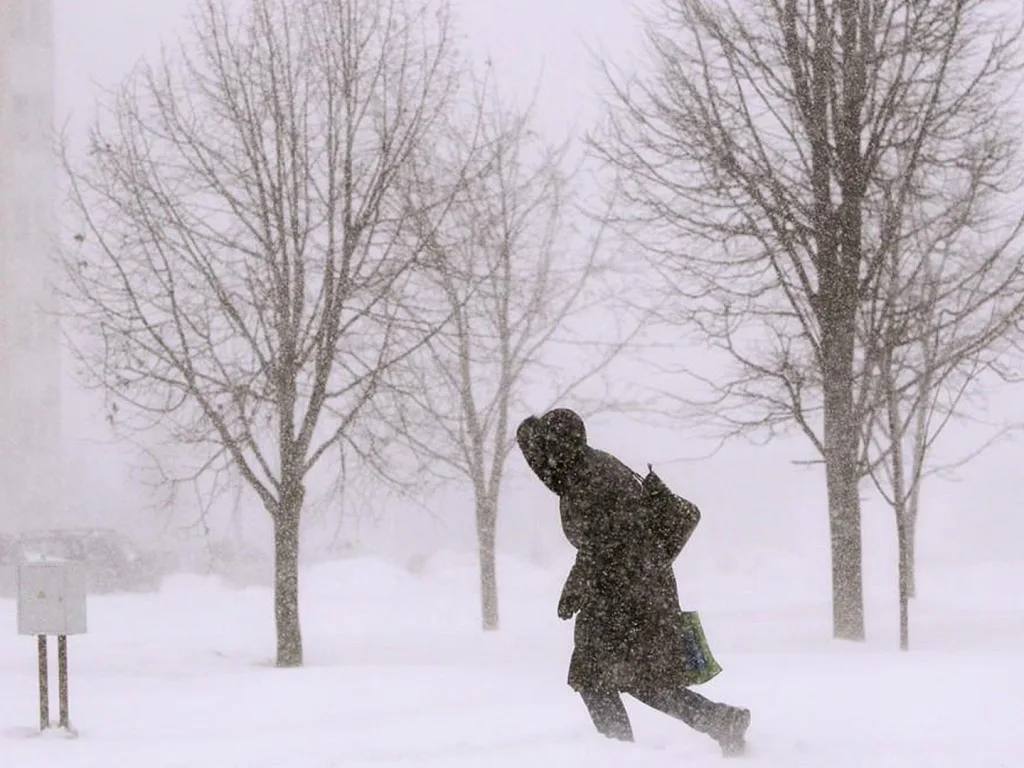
[630, 634]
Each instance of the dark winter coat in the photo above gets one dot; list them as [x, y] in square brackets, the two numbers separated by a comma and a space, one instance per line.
[628, 631]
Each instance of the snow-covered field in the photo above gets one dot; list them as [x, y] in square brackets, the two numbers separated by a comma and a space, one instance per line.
[398, 673]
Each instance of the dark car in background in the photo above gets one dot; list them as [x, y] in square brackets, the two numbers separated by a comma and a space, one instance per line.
[113, 563]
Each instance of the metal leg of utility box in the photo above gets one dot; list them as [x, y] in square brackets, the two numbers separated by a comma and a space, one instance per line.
[62, 676]
[44, 686]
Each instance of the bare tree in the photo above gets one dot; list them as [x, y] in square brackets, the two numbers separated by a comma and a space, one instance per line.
[246, 260]
[518, 277]
[768, 162]
[949, 311]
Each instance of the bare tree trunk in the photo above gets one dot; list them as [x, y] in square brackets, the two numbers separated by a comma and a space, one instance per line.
[286, 584]
[486, 530]
[910, 546]
[841, 428]
[904, 573]
[899, 493]
[844, 530]
[842, 480]
[915, 494]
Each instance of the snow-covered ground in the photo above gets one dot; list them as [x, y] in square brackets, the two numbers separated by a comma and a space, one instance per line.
[398, 673]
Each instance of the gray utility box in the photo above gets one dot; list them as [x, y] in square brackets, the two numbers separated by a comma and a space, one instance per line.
[51, 598]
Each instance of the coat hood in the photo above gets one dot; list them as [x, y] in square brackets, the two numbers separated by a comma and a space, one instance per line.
[554, 446]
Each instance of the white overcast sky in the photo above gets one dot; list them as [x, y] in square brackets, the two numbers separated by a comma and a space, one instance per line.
[99, 40]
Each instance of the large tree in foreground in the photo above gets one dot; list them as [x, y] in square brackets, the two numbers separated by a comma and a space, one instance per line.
[769, 161]
[246, 266]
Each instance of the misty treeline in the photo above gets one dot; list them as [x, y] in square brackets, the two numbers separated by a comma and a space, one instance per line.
[316, 230]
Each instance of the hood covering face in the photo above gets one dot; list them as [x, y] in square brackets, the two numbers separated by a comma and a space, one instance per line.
[554, 446]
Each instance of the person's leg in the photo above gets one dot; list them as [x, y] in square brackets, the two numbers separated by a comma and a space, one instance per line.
[608, 713]
[724, 723]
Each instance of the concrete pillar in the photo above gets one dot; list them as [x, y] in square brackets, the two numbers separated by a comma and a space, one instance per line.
[30, 477]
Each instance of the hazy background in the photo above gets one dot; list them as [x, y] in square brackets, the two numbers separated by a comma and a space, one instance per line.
[762, 512]
[397, 669]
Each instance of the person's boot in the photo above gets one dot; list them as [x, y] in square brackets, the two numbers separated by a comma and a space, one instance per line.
[731, 736]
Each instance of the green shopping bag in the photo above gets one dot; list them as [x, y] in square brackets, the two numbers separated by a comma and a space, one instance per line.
[700, 665]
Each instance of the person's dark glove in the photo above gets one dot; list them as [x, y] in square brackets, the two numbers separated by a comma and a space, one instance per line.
[569, 605]
[571, 601]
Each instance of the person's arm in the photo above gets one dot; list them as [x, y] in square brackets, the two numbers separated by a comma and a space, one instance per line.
[670, 519]
[601, 549]
[581, 582]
